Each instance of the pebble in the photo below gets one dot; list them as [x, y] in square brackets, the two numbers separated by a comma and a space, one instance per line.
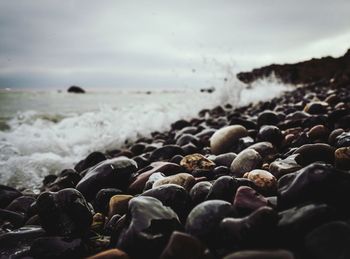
[196, 162]
[7, 194]
[342, 158]
[263, 179]
[270, 134]
[101, 201]
[248, 200]
[281, 167]
[224, 139]
[166, 152]
[183, 179]
[245, 161]
[310, 153]
[118, 204]
[224, 159]
[199, 192]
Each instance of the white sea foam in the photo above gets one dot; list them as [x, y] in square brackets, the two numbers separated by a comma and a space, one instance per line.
[39, 143]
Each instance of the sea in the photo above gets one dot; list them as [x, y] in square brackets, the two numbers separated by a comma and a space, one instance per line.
[44, 132]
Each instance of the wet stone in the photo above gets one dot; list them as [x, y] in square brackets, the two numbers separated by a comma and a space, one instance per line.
[265, 149]
[316, 108]
[102, 199]
[91, 160]
[64, 213]
[203, 221]
[318, 132]
[224, 139]
[267, 118]
[148, 227]
[263, 179]
[310, 153]
[224, 159]
[285, 166]
[342, 158]
[196, 162]
[166, 152]
[224, 188]
[152, 179]
[248, 200]
[270, 134]
[183, 179]
[186, 139]
[21, 205]
[245, 161]
[118, 204]
[200, 191]
[112, 173]
[7, 194]
[343, 140]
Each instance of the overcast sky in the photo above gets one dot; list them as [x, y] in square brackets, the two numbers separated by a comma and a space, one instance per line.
[143, 44]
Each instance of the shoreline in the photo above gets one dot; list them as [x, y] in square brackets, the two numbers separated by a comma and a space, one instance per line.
[215, 186]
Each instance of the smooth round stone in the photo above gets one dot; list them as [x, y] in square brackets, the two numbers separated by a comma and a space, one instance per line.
[342, 158]
[250, 231]
[334, 134]
[102, 199]
[265, 149]
[310, 153]
[180, 124]
[138, 183]
[285, 166]
[199, 192]
[14, 219]
[68, 178]
[173, 196]
[110, 254]
[316, 107]
[183, 179]
[263, 179]
[196, 162]
[111, 173]
[166, 152]
[118, 204]
[58, 247]
[91, 160]
[224, 159]
[267, 118]
[187, 138]
[187, 130]
[343, 140]
[261, 254]
[330, 240]
[245, 161]
[270, 134]
[203, 221]
[64, 213]
[224, 188]
[205, 135]
[294, 223]
[248, 200]
[224, 139]
[148, 227]
[21, 204]
[7, 194]
[318, 132]
[184, 246]
[152, 179]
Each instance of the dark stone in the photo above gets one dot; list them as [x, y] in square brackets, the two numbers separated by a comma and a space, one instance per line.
[186, 139]
[224, 188]
[176, 159]
[112, 173]
[180, 124]
[24, 235]
[7, 194]
[173, 196]
[199, 192]
[246, 161]
[203, 221]
[148, 227]
[271, 134]
[166, 152]
[58, 247]
[225, 159]
[141, 161]
[248, 200]
[21, 205]
[244, 143]
[281, 167]
[310, 153]
[343, 140]
[265, 149]
[14, 218]
[68, 178]
[138, 148]
[64, 213]
[330, 240]
[75, 89]
[91, 160]
[102, 199]
[251, 231]
[267, 118]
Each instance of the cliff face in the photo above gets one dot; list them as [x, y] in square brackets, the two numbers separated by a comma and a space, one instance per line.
[311, 71]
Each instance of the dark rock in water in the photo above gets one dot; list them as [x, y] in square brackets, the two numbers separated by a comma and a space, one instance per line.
[64, 213]
[330, 240]
[173, 196]
[166, 153]
[343, 140]
[246, 161]
[21, 205]
[294, 223]
[148, 227]
[248, 200]
[91, 160]
[271, 134]
[224, 139]
[251, 231]
[184, 246]
[112, 173]
[76, 89]
[261, 254]
[203, 221]
[180, 124]
[267, 118]
[310, 153]
[200, 191]
[68, 178]
[7, 194]
[138, 148]
[317, 182]
[138, 183]
[58, 247]
[102, 199]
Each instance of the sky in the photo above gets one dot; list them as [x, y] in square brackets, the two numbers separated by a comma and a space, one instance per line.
[53, 44]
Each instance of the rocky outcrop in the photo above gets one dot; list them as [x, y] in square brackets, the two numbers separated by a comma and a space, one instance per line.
[316, 70]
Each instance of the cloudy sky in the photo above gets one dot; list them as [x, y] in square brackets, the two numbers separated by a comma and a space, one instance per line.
[143, 44]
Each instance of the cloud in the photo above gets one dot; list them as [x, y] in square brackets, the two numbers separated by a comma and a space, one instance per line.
[158, 43]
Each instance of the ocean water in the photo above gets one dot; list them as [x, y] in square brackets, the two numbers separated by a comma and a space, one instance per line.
[45, 132]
